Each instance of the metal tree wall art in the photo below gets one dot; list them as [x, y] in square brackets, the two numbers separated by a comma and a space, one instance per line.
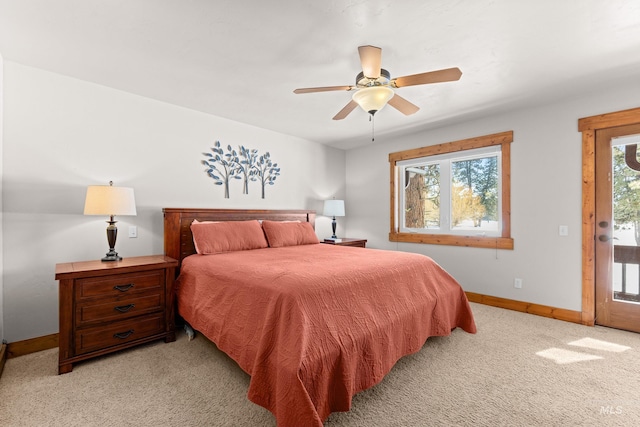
[221, 174]
[267, 171]
[244, 164]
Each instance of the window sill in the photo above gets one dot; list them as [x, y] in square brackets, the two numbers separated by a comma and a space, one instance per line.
[453, 240]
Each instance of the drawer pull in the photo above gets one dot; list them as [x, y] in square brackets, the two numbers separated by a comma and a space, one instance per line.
[123, 335]
[123, 288]
[124, 308]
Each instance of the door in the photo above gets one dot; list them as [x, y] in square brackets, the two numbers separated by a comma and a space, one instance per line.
[617, 214]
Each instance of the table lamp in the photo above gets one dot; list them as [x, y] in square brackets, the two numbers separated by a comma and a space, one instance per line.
[110, 201]
[333, 208]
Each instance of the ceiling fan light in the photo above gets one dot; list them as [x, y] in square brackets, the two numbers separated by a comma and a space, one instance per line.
[372, 99]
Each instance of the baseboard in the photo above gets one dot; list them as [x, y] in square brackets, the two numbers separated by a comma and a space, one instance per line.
[3, 357]
[526, 307]
[20, 348]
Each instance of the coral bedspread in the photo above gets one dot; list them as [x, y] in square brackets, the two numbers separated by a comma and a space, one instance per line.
[315, 324]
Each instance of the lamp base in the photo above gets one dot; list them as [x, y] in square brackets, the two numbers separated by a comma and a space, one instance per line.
[112, 234]
[333, 228]
[111, 256]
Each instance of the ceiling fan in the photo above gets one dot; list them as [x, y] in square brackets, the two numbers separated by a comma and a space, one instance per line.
[374, 85]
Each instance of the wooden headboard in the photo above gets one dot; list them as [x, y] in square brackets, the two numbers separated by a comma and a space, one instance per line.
[178, 240]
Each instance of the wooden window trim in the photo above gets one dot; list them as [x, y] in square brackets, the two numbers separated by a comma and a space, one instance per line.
[505, 241]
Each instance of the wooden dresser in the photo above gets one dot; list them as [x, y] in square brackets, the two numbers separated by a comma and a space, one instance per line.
[346, 241]
[109, 306]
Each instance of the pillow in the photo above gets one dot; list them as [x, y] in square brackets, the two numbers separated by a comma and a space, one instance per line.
[228, 236]
[280, 233]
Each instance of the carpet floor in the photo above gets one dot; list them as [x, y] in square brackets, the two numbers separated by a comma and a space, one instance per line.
[518, 370]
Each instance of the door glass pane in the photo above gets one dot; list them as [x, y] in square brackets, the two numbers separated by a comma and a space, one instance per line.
[626, 219]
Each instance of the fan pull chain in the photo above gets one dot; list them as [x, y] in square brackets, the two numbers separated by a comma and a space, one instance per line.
[371, 119]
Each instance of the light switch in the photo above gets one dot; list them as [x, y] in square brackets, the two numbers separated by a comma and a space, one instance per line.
[133, 231]
[563, 230]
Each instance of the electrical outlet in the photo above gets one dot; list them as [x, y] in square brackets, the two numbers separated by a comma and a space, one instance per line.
[517, 283]
[133, 231]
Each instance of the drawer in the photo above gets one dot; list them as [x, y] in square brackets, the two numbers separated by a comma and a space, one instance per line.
[119, 284]
[102, 337]
[118, 309]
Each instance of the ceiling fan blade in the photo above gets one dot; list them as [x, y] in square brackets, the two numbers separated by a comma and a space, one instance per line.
[322, 89]
[371, 60]
[446, 75]
[346, 110]
[402, 105]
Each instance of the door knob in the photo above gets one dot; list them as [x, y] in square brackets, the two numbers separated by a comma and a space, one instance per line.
[605, 238]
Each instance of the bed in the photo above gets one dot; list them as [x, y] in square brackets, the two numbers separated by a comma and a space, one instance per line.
[312, 324]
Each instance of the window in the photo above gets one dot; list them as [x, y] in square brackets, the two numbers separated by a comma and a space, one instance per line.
[456, 193]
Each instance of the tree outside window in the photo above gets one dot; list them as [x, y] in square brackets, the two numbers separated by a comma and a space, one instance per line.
[475, 197]
[626, 194]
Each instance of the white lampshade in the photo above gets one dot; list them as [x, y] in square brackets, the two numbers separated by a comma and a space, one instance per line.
[109, 200]
[333, 208]
[373, 98]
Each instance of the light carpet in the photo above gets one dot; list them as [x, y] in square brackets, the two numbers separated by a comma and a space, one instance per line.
[518, 370]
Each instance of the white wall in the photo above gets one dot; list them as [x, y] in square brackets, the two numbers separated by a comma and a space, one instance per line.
[62, 134]
[546, 173]
[1, 197]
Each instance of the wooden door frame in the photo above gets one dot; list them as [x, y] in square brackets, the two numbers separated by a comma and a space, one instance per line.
[588, 126]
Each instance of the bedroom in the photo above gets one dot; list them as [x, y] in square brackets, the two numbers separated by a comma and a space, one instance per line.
[62, 132]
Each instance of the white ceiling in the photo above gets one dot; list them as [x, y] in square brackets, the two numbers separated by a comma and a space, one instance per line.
[243, 59]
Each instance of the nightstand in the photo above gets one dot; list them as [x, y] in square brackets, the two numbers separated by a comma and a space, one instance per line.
[110, 306]
[360, 243]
